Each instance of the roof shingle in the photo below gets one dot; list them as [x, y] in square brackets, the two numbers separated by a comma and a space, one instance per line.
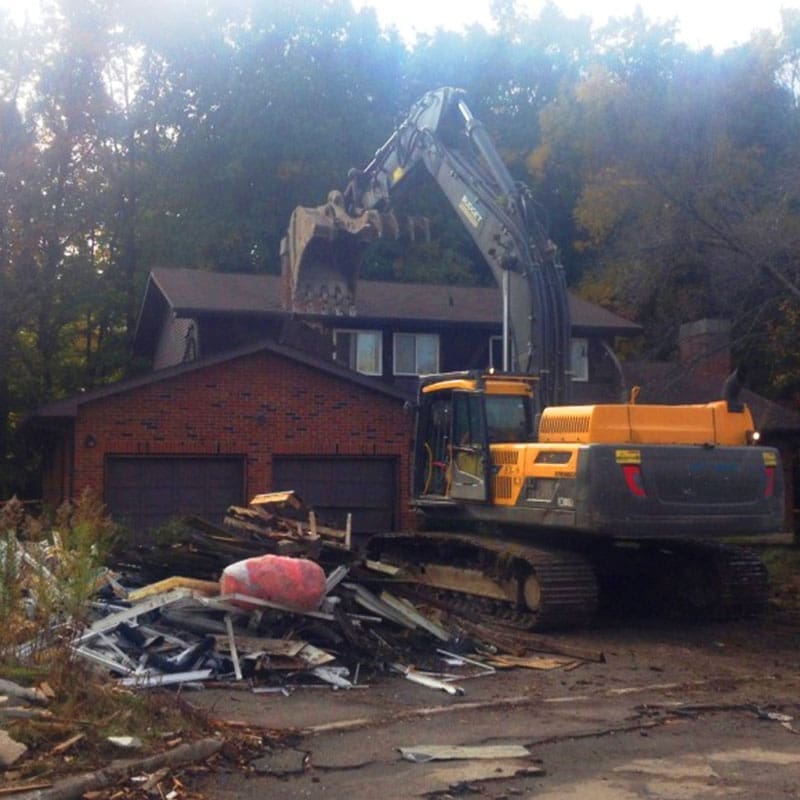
[190, 291]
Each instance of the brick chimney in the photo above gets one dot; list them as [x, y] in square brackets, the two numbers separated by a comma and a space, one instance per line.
[705, 347]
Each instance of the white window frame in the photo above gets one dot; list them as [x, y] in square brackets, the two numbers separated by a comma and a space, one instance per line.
[579, 358]
[359, 332]
[416, 336]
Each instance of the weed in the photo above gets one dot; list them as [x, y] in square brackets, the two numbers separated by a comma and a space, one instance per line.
[48, 573]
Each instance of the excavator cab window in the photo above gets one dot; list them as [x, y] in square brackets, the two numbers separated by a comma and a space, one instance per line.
[470, 447]
[452, 447]
[434, 435]
[508, 419]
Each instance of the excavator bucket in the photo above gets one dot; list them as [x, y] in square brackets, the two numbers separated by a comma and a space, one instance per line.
[323, 250]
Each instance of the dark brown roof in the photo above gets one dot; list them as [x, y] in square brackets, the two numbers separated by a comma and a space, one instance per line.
[68, 407]
[196, 291]
[189, 292]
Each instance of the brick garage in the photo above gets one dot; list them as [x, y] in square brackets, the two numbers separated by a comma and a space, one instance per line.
[256, 407]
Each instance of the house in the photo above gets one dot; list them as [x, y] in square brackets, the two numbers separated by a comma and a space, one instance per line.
[197, 437]
[245, 396]
[400, 331]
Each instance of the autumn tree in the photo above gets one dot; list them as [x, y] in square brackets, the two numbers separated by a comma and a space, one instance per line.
[687, 207]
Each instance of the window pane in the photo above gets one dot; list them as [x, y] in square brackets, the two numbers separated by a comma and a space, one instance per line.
[580, 359]
[404, 355]
[359, 350]
[427, 353]
[496, 352]
[368, 357]
[343, 343]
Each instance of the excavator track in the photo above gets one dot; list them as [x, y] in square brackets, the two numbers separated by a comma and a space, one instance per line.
[525, 587]
[712, 581]
[507, 582]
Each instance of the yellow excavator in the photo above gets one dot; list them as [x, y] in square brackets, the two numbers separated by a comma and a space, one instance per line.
[536, 510]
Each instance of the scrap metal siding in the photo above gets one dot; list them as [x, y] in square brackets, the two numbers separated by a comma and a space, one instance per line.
[260, 405]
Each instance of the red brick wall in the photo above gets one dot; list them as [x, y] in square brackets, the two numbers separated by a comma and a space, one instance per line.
[259, 406]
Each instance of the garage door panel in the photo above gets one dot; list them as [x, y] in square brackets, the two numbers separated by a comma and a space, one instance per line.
[144, 492]
[335, 486]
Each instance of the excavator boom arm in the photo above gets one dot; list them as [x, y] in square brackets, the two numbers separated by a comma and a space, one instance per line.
[324, 245]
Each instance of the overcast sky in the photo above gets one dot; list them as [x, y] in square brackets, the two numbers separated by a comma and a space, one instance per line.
[702, 22]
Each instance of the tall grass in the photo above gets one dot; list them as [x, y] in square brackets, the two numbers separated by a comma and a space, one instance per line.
[49, 570]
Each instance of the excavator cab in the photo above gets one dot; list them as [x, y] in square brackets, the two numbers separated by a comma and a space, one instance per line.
[459, 419]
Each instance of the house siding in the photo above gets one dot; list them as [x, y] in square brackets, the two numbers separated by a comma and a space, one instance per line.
[172, 342]
[258, 406]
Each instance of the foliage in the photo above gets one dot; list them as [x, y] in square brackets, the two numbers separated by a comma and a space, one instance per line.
[687, 204]
[49, 571]
[135, 135]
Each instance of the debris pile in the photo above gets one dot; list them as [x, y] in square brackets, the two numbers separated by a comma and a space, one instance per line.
[294, 606]
[276, 623]
[272, 603]
[277, 523]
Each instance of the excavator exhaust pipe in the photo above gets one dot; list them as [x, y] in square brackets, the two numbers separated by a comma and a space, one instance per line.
[323, 250]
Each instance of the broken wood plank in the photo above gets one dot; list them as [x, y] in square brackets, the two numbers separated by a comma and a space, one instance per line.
[19, 788]
[155, 779]
[315, 656]
[67, 744]
[413, 713]
[256, 515]
[380, 566]
[332, 533]
[422, 753]
[20, 712]
[75, 787]
[256, 529]
[272, 647]
[22, 692]
[286, 498]
[529, 662]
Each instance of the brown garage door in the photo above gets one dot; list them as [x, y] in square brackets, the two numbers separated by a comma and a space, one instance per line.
[142, 493]
[366, 487]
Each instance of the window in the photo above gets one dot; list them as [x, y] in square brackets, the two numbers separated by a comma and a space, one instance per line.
[496, 352]
[416, 353]
[580, 359]
[359, 350]
[507, 418]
